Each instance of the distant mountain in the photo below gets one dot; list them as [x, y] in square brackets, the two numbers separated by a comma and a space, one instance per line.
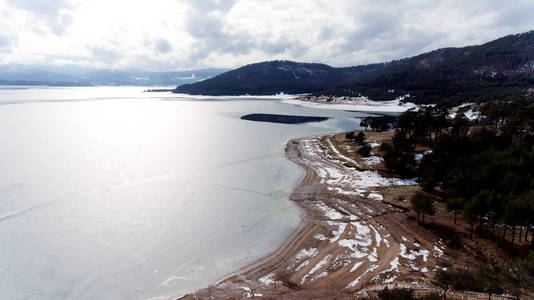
[80, 76]
[269, 78]
[499, 68]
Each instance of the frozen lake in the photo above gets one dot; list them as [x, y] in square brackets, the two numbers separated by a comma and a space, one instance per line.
[112, 193]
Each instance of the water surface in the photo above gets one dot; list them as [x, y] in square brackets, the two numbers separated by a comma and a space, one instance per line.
[111, 193]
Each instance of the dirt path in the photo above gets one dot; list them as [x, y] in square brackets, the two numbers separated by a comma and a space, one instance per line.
[351, 239]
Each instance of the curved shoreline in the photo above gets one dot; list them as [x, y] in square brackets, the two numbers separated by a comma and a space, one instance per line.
[304, 222]
[330, 253]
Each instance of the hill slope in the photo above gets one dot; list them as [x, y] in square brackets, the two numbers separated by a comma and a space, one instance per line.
[501, 67]
[270, 78]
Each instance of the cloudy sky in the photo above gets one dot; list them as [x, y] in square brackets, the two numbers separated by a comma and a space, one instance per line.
[169, 35]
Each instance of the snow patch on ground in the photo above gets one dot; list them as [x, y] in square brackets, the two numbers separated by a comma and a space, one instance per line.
[334, 173]
[472, 115]
[373, 257]
[378, 237]
[438, 251]
[355, 104]
[360, 243]
[338, 190]
[373, 160]
[347, 179]
[340, 155]
[329, 212]
[412, 255]
[306, 253]
[337, 233]
[248, 292]
[356, 266]
[320, 237]
[469, 114]
[324, 274]
[318, 266]
[394, 265]
[374, 144]
[305, 263]
[267, 279]
[420, 156]
[355, 282]
[375, 196]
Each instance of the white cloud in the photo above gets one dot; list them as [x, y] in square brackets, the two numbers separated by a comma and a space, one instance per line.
[53, 13]
[104, 54]
[6, 42]
[162, 46]
[170, 35]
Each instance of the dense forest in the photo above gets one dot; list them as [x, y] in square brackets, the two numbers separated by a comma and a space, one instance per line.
[500, 68]
[497, 69]
[482, 170]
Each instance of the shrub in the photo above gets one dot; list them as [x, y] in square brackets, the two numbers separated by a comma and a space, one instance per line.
[402, 163]
[365, 150]
[360, 138]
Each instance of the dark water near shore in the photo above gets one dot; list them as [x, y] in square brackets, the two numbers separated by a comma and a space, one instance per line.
[111, 193]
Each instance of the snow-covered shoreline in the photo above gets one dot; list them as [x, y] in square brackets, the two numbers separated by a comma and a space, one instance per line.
[350, 238]
[359, 104]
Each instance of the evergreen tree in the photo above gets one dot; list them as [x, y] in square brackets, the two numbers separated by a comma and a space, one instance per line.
[360, 138]
[423, 204]
[455, 205]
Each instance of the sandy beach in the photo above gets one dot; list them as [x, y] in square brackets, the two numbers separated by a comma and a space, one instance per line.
[354, 239]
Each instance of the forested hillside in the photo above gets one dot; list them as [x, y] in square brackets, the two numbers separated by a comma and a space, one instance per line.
[503, 67]
[476, 73]
[269, 78]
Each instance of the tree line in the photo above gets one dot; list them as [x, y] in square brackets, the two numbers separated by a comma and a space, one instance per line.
[483, 169]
